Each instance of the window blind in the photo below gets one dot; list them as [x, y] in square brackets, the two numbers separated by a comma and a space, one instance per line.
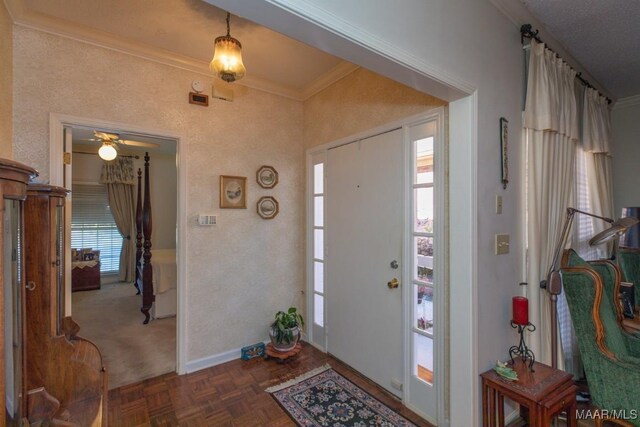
[92, 225]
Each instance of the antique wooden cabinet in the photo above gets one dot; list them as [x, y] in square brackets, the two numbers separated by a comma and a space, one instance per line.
[13, 186]
[66, 379]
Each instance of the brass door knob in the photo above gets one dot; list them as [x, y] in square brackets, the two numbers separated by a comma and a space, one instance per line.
[394, 283]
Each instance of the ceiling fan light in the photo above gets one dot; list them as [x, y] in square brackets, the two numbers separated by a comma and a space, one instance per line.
[227, 58]
[107, 152]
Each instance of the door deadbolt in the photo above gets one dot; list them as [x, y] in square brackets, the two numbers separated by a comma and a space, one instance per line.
[394, 264]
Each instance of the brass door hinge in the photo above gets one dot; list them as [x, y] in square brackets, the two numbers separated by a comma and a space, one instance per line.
[67, 158]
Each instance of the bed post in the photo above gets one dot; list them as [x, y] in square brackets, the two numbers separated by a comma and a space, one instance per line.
[147, 272]
[138, 232]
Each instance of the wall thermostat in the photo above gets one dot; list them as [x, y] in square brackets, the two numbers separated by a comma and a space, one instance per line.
[197, 86]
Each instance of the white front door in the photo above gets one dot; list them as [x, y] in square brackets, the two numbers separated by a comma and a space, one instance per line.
[364, 213]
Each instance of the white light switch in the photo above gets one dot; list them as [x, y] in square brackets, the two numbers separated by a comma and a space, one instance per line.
[502, 244]
[498, 204]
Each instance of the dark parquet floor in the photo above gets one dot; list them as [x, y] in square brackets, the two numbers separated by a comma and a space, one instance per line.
[230, 394]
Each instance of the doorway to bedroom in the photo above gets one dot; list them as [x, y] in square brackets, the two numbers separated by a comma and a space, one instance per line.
[117, 208]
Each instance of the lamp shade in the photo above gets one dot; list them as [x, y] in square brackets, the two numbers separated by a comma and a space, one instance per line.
[617, 227]
[227, 59]
[107, 152]
[632, 237]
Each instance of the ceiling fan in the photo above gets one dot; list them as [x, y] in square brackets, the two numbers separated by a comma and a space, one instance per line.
[111, 141]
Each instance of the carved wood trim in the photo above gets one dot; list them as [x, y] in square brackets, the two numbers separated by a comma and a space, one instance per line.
[616, 287]
[595, 309]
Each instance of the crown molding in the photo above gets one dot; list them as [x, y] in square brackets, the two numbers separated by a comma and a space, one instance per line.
[627, 102]
[80, 33]
[338, 72]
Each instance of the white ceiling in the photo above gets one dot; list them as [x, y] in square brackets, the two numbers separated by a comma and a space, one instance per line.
[602, 35]
[182, 31]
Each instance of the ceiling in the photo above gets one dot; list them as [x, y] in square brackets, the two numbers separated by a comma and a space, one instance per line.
[602, 35]
[182, 32]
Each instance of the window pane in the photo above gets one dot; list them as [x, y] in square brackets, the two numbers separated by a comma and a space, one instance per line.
[423, 300]
[318, 211]
[93, 226]
[423, 357]
[424, 209]
[318, 244]
[318, 178]
[318, 309]
[424, 259]
[424, 160]
[318, 277]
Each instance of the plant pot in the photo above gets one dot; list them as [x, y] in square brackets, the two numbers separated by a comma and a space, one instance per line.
[285, 346]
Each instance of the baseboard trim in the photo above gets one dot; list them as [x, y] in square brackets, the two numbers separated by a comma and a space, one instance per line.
[213, 360]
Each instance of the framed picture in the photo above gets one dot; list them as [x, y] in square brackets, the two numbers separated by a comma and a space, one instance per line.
[268, 207]
[233, 192]
[504, 133]
[267, 177]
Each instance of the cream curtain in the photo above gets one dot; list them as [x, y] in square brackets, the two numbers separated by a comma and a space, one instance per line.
[551, 134]
[118, 177]
[596, 136]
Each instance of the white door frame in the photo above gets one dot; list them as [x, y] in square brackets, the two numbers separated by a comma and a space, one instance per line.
[57, 123]
[441, 366]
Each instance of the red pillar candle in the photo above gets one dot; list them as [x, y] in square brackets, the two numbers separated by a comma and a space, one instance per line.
[520, 311]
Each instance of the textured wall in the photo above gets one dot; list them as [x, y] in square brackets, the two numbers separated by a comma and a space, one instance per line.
[245, 268]
[625, 125]
[88, 167]
[362, 100]
[6, 76]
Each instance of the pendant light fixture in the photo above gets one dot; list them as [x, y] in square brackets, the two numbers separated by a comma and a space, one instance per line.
[227, 57]
[107, 152]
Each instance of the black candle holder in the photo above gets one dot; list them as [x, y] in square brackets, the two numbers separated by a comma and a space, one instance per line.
[521, 350]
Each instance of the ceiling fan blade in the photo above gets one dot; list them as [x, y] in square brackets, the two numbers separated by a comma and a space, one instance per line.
[105, 136]
[132, 143]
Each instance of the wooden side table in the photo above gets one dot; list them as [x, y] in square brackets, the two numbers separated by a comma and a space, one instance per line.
[545, 393]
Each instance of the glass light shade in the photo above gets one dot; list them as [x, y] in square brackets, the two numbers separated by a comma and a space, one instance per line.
[107, 152]
[227, 59]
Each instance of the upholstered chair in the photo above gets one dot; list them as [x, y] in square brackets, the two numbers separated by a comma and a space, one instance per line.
[629, 262]
[610, 357]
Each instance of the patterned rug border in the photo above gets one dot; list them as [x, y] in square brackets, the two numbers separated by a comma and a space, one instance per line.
[299, 379]
[369, 400]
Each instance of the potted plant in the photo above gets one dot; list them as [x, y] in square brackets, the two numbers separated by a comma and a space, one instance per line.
[285, 330]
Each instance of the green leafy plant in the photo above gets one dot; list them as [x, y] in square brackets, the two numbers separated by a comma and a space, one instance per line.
[284, 323]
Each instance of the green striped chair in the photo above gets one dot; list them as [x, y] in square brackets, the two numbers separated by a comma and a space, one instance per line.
[611, 358]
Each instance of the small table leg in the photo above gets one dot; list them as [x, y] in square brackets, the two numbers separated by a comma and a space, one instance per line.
[571, 414]
[500, 410]
[485, 405]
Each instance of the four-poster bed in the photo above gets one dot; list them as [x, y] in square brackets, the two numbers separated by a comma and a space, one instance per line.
[155, 281]
[144, 272]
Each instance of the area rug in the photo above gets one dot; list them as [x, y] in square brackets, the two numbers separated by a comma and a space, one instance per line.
[323, 397]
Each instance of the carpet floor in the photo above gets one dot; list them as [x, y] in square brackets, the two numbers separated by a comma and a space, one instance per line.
[131, 351]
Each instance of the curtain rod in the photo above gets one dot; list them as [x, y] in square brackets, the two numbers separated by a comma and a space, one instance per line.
[95, 154]
[526, 31]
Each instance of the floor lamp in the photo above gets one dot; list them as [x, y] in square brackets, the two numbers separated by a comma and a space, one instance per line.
[553, 281]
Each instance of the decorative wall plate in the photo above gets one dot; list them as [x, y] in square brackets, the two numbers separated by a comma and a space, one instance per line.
[268, 207]
[267, 177]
